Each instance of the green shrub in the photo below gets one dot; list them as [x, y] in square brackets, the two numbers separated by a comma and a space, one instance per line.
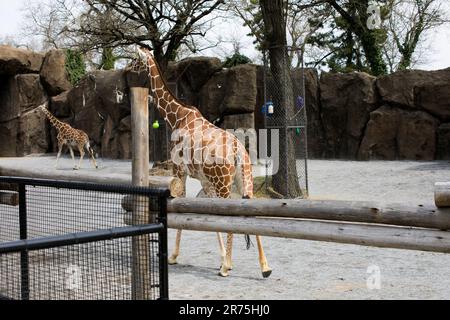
[75, 66]
[235, 60]
[108, 59]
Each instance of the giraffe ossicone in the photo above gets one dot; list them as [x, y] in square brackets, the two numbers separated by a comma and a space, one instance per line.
[212, 155]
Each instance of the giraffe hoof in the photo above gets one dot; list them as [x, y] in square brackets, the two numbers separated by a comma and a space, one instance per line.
[224, 272]
[76, 168]
[267, 273]
[172, 261]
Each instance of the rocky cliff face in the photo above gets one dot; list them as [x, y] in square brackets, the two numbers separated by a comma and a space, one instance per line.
[405, 115]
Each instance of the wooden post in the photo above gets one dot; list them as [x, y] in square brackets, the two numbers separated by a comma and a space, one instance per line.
[442, 194]
[138, 83]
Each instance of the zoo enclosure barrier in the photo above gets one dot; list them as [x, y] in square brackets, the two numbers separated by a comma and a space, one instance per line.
[62, 240]
[285, 111]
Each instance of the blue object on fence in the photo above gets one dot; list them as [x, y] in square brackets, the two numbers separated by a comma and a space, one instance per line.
[300, 102]
[268, 108]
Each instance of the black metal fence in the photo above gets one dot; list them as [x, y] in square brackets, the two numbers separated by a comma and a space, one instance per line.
[62, 240]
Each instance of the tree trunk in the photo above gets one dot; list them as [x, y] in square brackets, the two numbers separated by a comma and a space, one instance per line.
[285, 181]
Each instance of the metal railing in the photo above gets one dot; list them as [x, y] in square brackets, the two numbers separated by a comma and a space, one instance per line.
[66, 240]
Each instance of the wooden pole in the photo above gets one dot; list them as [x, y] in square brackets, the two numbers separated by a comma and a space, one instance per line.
[140, 176]
[442, 194]
[9, 198]
[349, 233]
[350, 211]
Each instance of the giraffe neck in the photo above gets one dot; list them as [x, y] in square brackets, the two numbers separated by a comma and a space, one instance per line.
[169, 107]
[53, 120]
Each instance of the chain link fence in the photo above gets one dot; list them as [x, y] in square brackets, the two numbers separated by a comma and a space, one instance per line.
[285, 117]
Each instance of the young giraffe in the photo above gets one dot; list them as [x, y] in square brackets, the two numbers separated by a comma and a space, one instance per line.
[214, 156]
[70, 137]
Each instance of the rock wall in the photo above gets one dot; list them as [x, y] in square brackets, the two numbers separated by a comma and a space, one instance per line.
[405, 115]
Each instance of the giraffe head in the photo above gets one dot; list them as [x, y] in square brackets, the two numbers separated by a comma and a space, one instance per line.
[43, 106]
[142, 53]
[140, 63]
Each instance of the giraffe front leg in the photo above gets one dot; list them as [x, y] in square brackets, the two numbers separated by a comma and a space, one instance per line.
[266, 271]
[58, 156]
[173, 258]
[73, 158]
[222, 249]
[226, 267]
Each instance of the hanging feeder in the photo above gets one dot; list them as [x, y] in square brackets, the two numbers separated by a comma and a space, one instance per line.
[268, 108]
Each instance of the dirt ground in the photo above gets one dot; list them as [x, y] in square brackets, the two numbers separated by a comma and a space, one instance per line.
[318, 270]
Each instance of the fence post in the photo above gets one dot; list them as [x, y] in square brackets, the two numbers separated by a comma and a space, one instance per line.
[139, 90]
[24, 262]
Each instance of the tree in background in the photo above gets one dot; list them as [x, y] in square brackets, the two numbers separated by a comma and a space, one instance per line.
[408, 26]
[163, 26]
[274, 15]
[336, 35]
[108, 59]
[95, 25]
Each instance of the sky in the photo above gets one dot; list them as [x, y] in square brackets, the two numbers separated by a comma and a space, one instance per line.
[438, 56]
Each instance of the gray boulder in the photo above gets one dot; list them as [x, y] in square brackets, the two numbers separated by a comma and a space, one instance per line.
[59, 105]
[443, 142]
[398, 88]
[22, 128]
[20, 94]
[394, 133]
[434, 98]
[346, 103]
[53, 73]
[15, 61]
[230, 91]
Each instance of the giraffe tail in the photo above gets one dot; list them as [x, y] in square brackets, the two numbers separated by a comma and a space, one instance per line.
[244, 180]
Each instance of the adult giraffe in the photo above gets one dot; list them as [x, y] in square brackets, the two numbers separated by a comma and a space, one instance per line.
[204, 152]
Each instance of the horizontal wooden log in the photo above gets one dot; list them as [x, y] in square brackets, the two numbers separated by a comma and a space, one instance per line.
[9, 186]
[348, 233]
[109, 173]
[351, 211]
[9, 198]
[442, 194]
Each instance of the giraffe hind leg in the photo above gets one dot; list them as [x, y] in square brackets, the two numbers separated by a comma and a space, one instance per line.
[81, 158]
[179, 172]
[91, 155]
[266, 271]
[173, 258]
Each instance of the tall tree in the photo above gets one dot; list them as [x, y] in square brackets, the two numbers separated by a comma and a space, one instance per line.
[95, 25]
[274, 14]
[163, 26]
[408, 24]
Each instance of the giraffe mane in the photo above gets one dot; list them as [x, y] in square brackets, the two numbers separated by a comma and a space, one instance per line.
[162, 77]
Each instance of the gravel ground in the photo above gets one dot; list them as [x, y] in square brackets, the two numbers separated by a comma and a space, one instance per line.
[318, 270]
[305, 269]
